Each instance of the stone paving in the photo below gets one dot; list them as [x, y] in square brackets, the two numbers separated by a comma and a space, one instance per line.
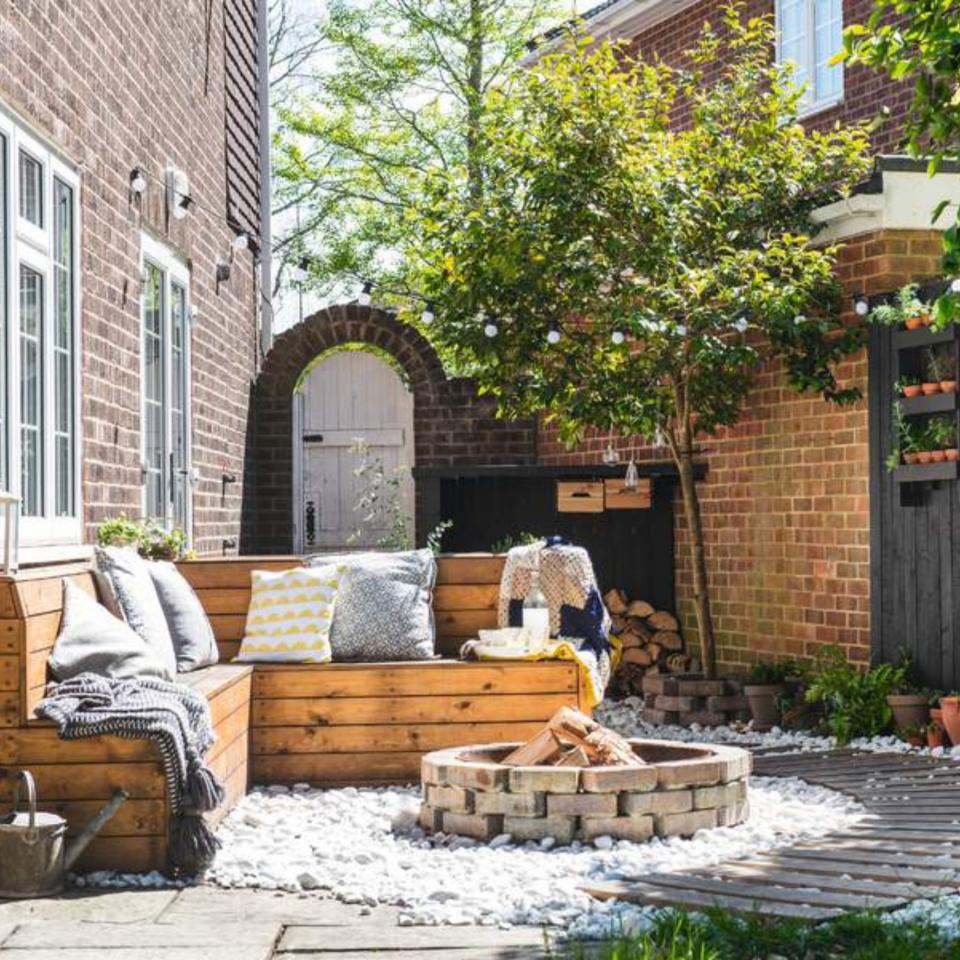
[205, 923]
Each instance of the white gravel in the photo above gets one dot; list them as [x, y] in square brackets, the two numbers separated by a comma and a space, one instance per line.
[363, 846]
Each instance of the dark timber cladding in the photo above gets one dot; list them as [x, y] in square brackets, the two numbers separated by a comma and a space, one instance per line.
[914, 531]
[242, 114]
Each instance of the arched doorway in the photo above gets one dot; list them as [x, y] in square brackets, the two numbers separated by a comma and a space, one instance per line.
[354, 451]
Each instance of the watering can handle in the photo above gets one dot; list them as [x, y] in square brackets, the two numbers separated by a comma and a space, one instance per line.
[25, 776]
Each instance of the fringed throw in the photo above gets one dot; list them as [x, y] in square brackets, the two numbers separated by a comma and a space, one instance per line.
[174, 717]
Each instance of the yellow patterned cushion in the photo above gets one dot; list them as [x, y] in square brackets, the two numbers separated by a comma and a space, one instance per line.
[290, 615]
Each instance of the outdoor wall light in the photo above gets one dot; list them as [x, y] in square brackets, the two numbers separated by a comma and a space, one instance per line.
[553, 336]
[861, 306]
[617, 337]
[138, 182]
[365, 295]
[223, 271]
[428, 315]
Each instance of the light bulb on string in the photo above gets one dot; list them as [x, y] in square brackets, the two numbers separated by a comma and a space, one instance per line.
[861, 306]
[428, 315]
[365, 295]
[617, 337]
[741, 325]
[553, 336]
[955, 285]
[491, 330]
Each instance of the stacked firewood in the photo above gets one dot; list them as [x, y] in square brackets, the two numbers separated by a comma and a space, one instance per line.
[572, 739]
[650, 639]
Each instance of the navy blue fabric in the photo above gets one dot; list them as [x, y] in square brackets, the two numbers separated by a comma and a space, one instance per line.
[515, 613]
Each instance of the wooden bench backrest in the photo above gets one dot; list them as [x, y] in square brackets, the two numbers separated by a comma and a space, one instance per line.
[31, 605]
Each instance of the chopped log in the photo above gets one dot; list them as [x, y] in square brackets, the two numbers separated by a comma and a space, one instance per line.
[639, 656]
[631, 639]
[661, 620]
[654, 649]
[619, 623]
[669, 640]
[543, 749]
[604, 747]
[640, 609]
[640, 628]
[677, 663]
[616, 601]
[577, 757]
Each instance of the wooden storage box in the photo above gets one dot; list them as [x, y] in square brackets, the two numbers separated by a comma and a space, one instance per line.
[616, 496]
[579, 496]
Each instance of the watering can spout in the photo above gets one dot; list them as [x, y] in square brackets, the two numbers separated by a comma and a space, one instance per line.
[83, 838]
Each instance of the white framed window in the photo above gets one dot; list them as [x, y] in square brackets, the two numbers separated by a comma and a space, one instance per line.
[39, 337]
[809, 35]
[165, 385]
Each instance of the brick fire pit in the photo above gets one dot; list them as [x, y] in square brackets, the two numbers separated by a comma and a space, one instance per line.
[683, 788]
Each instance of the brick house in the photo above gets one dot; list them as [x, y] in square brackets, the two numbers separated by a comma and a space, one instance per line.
[130, 237]
[807, 536]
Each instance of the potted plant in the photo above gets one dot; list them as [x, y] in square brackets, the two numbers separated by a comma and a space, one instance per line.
[935, 735]
[910, 707]
[950, 707]
[914, 734]
[766, 689]
[941, 369]
[907, 308]
[942, 435]
[908, 386]
[905, 448]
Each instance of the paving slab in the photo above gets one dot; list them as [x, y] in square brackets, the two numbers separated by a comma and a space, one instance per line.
[143, 936]
[215, 905]
[90, 906]
[386, 937]
[5, 930]
[241, 952]
[457, 953]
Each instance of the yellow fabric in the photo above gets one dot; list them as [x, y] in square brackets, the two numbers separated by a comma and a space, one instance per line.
[551, 650]
[290, 614]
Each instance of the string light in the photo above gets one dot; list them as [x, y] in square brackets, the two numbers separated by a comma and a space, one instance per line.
[617, 337]
[861, 306]
[491, 330]
[138, 181]
[365, 295]
[799, 319]
[240, 243]
[741, 325]
[553, 336]
[428, 315]
[955, 285]
[681, 330]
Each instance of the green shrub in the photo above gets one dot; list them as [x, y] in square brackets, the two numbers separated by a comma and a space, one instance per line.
[150, 537]
[775, 672]
[855, 701]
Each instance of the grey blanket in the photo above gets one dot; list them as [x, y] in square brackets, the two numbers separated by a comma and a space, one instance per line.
[173, 716]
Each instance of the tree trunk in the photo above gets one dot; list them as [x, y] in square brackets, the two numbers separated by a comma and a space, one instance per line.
[701, 596]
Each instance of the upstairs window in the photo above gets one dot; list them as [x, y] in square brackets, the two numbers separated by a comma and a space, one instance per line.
[809, 35]
[39, 293]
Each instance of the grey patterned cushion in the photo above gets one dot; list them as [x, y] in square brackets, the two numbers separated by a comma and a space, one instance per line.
[383, 609]
[93, 640]
[128, 576]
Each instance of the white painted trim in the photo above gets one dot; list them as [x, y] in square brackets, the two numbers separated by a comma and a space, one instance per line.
[815, 104]
[907, 202]
[622, 21]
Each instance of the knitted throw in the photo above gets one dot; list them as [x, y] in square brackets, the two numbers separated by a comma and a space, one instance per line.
[174, 717]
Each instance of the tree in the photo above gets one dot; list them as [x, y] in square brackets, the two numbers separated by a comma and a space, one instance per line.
[401, 90]
[919, 40]
[623, 273]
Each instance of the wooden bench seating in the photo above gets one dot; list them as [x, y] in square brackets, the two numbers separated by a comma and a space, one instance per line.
[330, 724]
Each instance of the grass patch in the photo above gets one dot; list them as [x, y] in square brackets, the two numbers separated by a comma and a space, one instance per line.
[716, 935]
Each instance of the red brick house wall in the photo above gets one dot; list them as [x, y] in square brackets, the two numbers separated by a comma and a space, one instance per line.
[143, 83]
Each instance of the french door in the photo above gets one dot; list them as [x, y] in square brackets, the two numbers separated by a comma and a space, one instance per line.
[166, 465]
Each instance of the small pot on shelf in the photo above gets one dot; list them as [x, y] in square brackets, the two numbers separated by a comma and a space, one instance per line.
[910, 457]
[909, 709]
[912, 390]
[948, 386]
[914, 323]
[929, 389]
[938, 456]
[924, 456]
[952, 454]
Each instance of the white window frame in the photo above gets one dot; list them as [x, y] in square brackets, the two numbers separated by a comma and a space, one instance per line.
[813, 102]
[32, 246]
[175, 270]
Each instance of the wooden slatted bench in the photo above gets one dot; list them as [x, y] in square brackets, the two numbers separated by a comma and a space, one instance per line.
[329, 724]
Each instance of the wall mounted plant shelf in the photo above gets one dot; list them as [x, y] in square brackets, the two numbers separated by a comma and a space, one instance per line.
[924, 337]
[920, 472]
[935, 403]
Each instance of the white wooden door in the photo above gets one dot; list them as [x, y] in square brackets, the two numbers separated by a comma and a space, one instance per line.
[349, 397]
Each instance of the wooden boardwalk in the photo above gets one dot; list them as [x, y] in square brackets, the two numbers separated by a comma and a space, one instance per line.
[907, 847]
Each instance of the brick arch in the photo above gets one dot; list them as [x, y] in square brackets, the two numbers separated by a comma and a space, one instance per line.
[452, 425]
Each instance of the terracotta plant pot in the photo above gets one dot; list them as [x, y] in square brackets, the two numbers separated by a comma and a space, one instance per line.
[936, 716]
[930, 388]
[924, 456]
[914, 390]
[951, 717]
[764, 700]
[913, 323]
[910, 458]
[909, 709]
[935, 736]
[952, 454]
[915, 740]
[937, 456]
[948, 386]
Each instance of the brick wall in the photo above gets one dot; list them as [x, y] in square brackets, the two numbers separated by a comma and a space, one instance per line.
[452, 425]
[865, 90]
[114, 86]
[786, 497]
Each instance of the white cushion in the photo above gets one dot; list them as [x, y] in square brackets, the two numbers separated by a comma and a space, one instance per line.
[290, 615]
[128, 576]
[93, 640]
[193, 641]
